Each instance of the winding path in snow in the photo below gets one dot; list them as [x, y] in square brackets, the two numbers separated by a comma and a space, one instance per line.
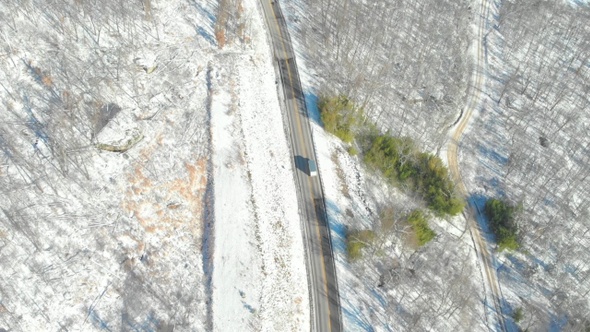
[484, 254]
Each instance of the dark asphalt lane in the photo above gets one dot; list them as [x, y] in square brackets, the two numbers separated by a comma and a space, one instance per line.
[324, 298]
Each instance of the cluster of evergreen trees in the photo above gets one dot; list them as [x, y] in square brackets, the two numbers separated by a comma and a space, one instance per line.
[503, 223]
[398, 159]
[402, 163]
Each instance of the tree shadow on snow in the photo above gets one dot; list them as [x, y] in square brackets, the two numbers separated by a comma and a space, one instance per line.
[353, 314]
[478, 202]
[337, 229]
[496, 158]
[206, 35]
[311, 103]
[507, 311]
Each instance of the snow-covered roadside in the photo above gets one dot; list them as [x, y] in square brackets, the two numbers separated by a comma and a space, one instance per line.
[236, 292]
[259, 278]
[354, 198]
[343, 182]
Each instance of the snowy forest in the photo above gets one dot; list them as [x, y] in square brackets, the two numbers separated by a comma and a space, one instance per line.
[101, 194]
[407, 65]
[117, 117]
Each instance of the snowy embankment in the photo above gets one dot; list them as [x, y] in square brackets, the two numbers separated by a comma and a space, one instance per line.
[259, 278]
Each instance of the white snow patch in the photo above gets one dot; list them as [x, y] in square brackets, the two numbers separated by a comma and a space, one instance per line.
[259, 277]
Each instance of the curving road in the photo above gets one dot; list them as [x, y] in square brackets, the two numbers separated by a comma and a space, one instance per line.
[492, 286]
[324, 298]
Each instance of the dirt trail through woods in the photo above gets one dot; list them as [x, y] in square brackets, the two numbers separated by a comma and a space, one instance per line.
[492, 297]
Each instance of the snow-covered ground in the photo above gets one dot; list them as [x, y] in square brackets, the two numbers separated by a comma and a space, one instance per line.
[528, 144]
[91, 239]
[195, 227]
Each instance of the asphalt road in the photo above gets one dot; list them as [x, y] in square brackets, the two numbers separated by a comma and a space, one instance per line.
[324, 298]
[492, 287]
